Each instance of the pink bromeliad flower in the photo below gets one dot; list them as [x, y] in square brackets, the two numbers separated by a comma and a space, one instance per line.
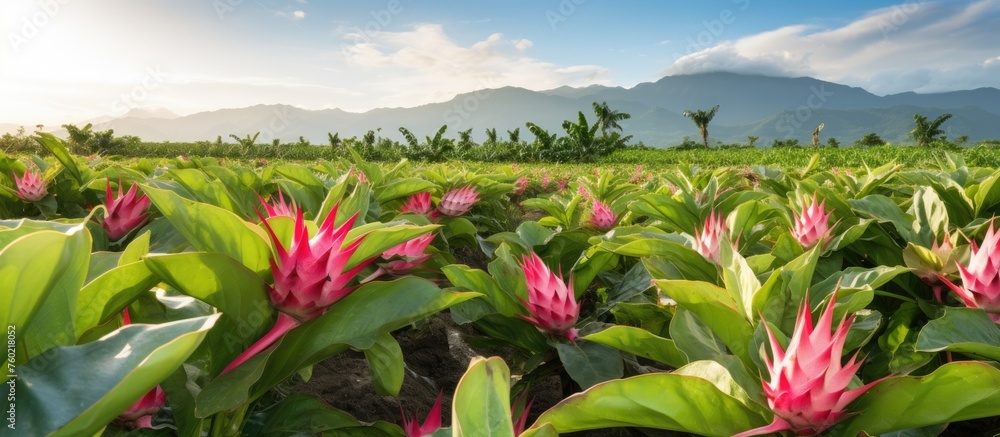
[279, 207]
[981, 278]
[812, 225]
[419, 203]
[601, 216]
[309, 276]
[125, 212]
[521, 185]
[30, 186]
[551, 302]
[808, 384]
[458, 201]
[432, 423]
[404, 257]
[140, 414]
[706, 239]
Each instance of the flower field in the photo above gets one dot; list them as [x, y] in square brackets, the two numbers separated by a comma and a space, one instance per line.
[179, 296]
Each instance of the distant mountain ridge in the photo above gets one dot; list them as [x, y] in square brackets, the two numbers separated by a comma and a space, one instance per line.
[763, 106]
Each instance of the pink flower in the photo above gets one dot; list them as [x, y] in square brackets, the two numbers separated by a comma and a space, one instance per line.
[431, 424]
[706, 240]
[458, 201]
[411, 254]
[562, 183]
[31, 186]
[981, 278]
[125, 212]
[278, 207]
[808, 385]
[812, 225]
[521, 185]
[309, 276]
[419, 203]
[140, 414]
[551, 302]
[601, 217]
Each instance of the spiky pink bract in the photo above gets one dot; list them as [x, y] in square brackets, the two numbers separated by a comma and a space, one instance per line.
[807, 388]
[551, 302]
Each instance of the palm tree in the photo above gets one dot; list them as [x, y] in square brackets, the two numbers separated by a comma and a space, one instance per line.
[928, 132]
[701, 119]
[608, 118]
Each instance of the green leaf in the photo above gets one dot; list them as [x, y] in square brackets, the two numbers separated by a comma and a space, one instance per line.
[385, 360]
[884, 209]
[660, 401]
[303, 414]
[223, 283]
[403, 188]
[716, 309]
[32, 267]
[481, 406]
[968, 331]
[534, 234]
[62, 154]
[381, 237]
[954, 392]
[687, 262]
[639, 342]
[740, 280]
[695, 339]
[463, 276]
[355, 321]
[109, 293]
[590, 363]
[138, 248]
[213, 229]
[77, 390]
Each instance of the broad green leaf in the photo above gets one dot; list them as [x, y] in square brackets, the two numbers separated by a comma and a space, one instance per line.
[463, 276]
[481, 406]
[693, 338]
[138, 248]
[379, 238]
[534, 234]
[965, 330]
[213, 229]
[403, 188]
[303, 414]
[931, 216]
[639, 342]
[223, 283]
[62, 154]
[954, 392]
[590, 363]
[897, 343]
[740, 280]
[109, 293]
[203, 188]
[385, 360]
[716, 309]
[686, 260]
[660, 401]
[884, 209]
[355, 321]
[77, 390]
[31, 267]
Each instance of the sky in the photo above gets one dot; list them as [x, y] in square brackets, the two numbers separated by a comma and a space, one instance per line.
[73, 60]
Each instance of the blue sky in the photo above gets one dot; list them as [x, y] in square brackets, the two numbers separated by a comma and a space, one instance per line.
[70, 60]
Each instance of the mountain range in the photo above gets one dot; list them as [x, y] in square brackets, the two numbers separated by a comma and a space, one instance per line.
[762, 106]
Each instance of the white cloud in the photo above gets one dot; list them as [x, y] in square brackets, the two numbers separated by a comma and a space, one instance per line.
[918, 46]
[423, 65]
[298, 15]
